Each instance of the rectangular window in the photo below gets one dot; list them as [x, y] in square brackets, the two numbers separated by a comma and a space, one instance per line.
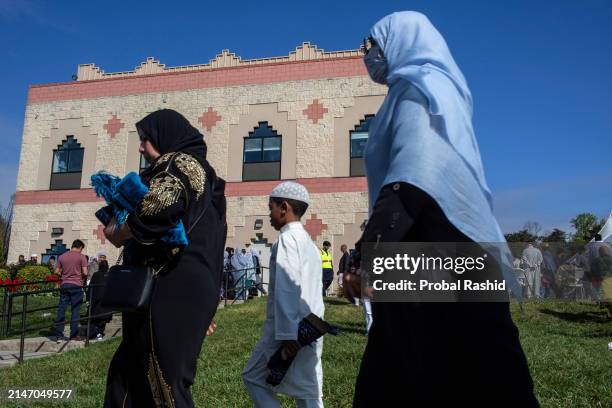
[358, 143]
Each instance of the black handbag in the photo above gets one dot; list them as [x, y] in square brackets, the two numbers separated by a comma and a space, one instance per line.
[129, 288]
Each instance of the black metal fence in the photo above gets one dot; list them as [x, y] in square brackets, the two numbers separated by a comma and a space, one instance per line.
[10, 297]
[237, 285]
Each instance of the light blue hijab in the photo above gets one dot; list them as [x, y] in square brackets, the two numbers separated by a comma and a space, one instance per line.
[423, 133]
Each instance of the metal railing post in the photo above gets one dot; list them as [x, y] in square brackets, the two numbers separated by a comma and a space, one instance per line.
[24, 306]
[9, 315]
[226, 279]
[4, 311]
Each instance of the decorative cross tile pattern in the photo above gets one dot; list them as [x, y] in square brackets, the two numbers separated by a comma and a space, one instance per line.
[209, 119]
[99, 233]
[314, 226]
[113, 126]
[315, 111]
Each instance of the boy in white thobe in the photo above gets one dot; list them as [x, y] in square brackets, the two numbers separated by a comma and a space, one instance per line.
[295, 291]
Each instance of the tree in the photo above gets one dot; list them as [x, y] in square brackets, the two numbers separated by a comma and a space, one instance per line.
[533, 228]
[521, 236]
[586, 226]
[555, 235]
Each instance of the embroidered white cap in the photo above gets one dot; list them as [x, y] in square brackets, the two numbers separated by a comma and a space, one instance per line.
[292, 191]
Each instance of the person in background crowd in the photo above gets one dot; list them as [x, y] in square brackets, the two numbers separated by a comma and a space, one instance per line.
[251, 271]
[33, 259]
[258, 272]
[228, 279]
[72, 269]
[295, 292]
[343, 266]
[327, 266]
[532, 259]
[21, 260]
[550, 266]
[426, 183]
[601, 269]
[52, 262]
[239, 264]
[92, 268]
[95, 295]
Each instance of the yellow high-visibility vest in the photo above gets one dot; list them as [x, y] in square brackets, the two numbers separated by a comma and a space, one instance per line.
[326, 259]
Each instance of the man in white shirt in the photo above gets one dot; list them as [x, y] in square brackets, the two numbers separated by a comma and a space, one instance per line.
[295, 291]
[532, 260]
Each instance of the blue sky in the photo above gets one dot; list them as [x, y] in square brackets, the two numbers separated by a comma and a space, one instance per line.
[540, 73]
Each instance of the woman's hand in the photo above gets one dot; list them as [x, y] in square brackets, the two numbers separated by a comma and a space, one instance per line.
[117, 235]
[211, 328]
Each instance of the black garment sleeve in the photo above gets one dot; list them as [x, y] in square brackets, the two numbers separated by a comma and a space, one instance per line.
[342, 265]
[395, 212]
[171, 191]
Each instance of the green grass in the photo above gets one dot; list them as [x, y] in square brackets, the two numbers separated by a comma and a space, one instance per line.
[35, 319]
[565, 343]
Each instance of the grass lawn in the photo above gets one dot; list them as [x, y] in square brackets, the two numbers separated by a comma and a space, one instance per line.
[565, 343]
[37, 318]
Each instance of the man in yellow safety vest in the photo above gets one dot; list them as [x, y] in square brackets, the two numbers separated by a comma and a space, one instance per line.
[328, 269]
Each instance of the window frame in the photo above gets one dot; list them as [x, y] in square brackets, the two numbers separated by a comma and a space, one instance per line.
[273, 135]
[67, 172]
[359, 130]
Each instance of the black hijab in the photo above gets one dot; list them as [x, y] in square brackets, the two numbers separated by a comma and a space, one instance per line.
[169, 131]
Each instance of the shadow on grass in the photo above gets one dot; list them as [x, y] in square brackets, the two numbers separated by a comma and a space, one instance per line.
[580, 317]
[345, 329]
[337, 302]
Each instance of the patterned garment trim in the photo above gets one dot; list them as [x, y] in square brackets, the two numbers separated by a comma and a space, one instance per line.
[191, 168]
[164, 190]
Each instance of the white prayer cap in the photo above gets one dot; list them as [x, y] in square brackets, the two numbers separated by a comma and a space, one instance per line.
[292, 191]
[33, 256]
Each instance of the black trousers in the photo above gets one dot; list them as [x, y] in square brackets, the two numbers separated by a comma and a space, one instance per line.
[436, 354]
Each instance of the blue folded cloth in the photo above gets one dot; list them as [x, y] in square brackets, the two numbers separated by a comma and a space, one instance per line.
[123, 196]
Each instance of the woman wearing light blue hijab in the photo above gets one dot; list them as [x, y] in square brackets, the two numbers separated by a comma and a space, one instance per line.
[426, 184]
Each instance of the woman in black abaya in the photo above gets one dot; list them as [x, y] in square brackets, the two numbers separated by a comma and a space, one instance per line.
[155, 364]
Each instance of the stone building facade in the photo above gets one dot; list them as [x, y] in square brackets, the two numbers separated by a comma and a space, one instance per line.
[316, 101]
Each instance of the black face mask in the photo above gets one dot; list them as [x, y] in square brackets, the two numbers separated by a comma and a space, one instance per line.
[376, 64]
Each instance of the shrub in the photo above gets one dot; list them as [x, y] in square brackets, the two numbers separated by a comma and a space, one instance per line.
[32, 273]
[5, 276]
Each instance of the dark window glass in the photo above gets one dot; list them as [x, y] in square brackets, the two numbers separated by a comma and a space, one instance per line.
[272, 149]
[60, 161]
[252, 150]
[67, 165]
[75, 162]
[358, 140]
[262, 154]
[56, 249]
[68, 157]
